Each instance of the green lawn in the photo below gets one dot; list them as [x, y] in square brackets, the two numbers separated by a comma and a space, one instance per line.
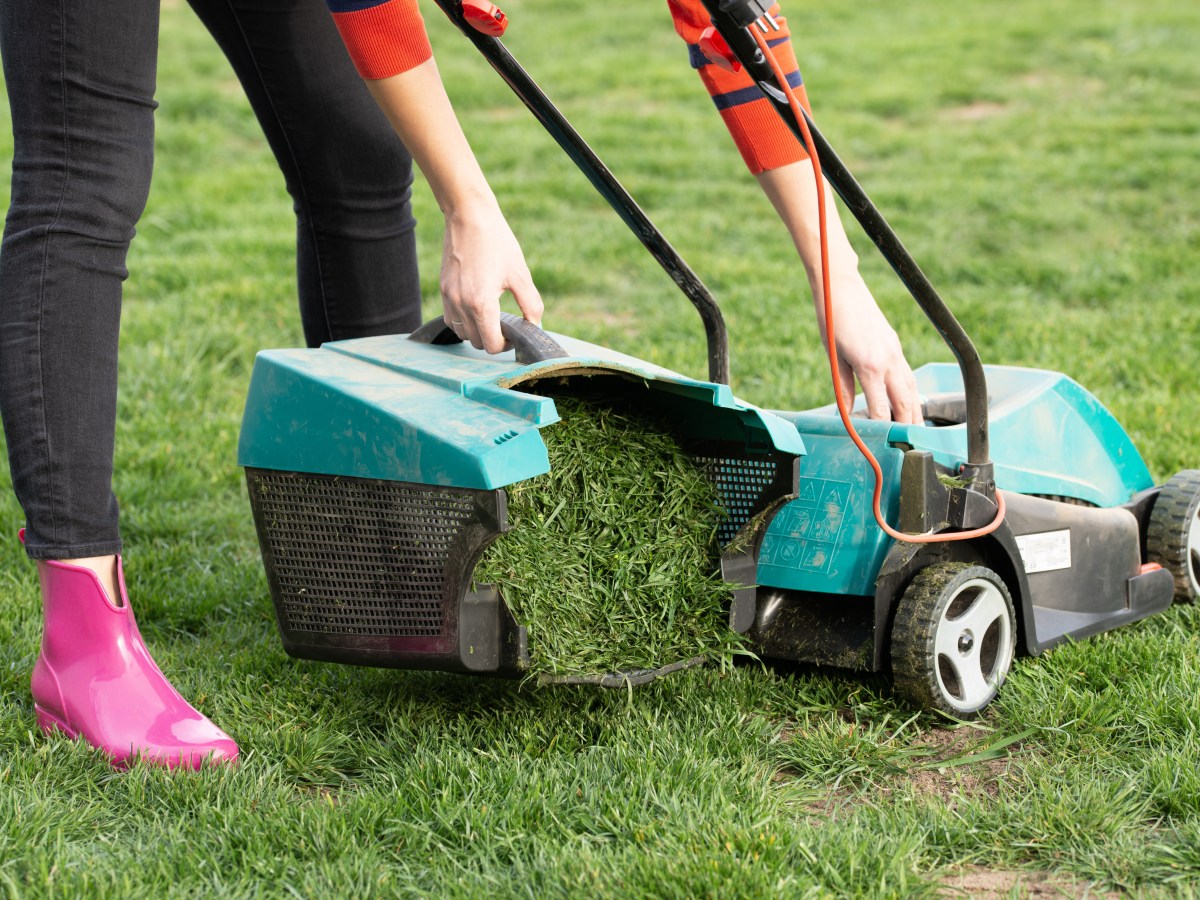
[1040, 160]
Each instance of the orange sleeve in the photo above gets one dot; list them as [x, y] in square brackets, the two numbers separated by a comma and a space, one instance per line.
[384, 37]
[764, 141]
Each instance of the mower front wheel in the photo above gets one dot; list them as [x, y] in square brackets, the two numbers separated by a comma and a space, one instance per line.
[953, 639]
[1173, 534]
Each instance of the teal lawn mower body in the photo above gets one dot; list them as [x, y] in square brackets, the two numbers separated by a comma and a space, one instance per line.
[377, 467]
[377, 471]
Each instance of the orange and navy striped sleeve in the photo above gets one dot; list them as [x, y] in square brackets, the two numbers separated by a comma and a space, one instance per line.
[764, 141]
[384, 37]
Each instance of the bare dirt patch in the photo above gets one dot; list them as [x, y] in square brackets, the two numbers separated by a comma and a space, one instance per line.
[993, 884]
[978, 778]
[1059, 85]
[937, 764]
[979, 111]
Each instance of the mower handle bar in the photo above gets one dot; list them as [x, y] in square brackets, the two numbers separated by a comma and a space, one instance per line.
[606, 184]
[864, 211]
[727, 18]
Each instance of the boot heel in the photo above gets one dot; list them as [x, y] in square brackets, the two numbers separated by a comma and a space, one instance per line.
[51, 723]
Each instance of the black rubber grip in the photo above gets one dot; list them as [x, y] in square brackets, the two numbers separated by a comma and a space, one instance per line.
[530, 342]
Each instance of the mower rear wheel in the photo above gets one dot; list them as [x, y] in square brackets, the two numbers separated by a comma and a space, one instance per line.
[953, 639]
[1173, 534]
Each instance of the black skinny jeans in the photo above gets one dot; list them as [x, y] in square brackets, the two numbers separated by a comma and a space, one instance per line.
[80, 76]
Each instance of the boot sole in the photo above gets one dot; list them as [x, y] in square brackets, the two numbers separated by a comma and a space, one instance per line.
[50, 723]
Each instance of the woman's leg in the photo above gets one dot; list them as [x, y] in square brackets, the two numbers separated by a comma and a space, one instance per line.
[80, 79]
[347, 172]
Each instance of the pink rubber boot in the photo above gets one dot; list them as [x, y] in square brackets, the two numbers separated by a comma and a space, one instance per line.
[95, 679]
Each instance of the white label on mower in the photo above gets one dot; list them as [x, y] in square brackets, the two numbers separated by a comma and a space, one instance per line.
[1045, 552]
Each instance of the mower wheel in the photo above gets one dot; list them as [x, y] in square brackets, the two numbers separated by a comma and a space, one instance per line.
[1173, 535]
[953, 638]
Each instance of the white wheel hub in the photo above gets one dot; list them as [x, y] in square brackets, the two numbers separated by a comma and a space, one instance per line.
[973, 646]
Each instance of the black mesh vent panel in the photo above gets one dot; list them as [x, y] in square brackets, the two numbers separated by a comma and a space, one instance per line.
[745, 488]
[358, 557]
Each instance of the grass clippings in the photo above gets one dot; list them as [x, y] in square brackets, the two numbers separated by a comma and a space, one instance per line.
[611, 563]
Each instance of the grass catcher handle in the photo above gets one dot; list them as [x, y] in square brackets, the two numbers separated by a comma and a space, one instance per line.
[531, 343]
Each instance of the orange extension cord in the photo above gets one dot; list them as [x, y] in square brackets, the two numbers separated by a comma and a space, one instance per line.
[827, 292]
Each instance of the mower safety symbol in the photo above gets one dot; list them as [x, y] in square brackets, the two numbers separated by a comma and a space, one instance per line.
[808, 531]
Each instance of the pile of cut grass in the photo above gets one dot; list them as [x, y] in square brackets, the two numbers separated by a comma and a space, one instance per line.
[612, 560]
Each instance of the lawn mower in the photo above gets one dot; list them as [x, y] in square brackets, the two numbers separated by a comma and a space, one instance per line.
[1025, 515]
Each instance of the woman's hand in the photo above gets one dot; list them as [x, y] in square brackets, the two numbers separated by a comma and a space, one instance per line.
[867, 346]
[481, 259]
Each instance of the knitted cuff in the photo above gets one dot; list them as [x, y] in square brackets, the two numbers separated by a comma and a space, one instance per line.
[384, 39]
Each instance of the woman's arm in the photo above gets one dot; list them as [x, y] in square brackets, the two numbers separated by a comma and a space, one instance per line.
[481, 258]
[867, 345]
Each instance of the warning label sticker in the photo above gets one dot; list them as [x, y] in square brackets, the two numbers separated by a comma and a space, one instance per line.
[808, 532]
[1046, 551]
